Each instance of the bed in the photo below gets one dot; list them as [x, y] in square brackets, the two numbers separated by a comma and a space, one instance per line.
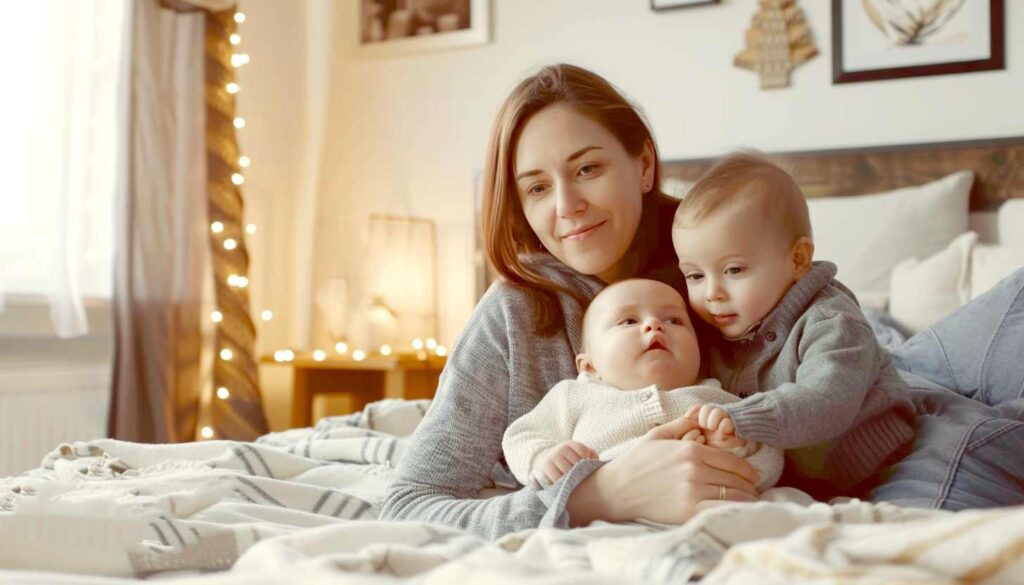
[302, 505]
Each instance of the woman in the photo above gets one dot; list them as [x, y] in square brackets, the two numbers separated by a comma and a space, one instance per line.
[571, 204]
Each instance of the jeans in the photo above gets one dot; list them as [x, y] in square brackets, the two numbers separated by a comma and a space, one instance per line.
[967, 381]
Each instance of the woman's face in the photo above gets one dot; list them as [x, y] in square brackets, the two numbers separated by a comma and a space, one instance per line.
[580, 190]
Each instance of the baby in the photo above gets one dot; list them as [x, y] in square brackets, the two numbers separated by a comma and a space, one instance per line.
[792, 342]
[638, 369]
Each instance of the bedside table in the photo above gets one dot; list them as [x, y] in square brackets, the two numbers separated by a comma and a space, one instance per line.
[364, 381]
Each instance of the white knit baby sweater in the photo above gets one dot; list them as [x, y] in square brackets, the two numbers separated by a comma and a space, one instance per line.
[610, 421]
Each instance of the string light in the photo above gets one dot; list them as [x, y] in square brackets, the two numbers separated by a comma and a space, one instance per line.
[239, 17]
[232, 87]
[385, 350]
[239, 122]
[250, 229]
[243, 161]
[217, 316]
[417, 344]
[223, 393]
[226, 354]
[319, 355]
[431, 343]
[267, 315]
[235, 38]
[341, 347]
[441, 351]
[216, 227]
[358, 355]
[207, 433]
[237, 281]
[237, 178]
[230, 244]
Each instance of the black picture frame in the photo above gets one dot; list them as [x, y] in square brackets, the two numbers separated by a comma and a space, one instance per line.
[996, 59]
[676, 4]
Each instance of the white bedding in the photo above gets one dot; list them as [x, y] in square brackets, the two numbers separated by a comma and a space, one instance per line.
[302, 505]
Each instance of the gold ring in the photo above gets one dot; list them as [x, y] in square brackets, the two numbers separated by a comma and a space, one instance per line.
[721, 492]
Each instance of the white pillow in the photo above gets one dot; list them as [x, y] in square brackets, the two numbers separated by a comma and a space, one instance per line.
[927, 290]
[867, 235]
[990, 264]
[1010, 222]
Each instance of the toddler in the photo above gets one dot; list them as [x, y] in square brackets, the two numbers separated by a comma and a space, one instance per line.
[791, 343]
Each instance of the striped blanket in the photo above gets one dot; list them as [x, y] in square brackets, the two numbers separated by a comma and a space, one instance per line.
[301, 506]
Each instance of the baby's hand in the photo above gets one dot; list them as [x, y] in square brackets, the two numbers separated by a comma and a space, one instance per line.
[718, 427]
[555, 462]
[711, 418]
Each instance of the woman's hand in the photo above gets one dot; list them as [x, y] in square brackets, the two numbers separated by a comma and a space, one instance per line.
[662, 479]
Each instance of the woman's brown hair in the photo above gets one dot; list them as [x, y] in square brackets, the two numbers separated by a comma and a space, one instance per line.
[506, 233]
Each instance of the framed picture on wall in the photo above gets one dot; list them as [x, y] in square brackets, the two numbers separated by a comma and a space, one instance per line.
[390, 27]
[889, 39]
[670, 4]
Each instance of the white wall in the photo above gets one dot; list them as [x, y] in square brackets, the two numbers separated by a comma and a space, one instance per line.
[407, 134]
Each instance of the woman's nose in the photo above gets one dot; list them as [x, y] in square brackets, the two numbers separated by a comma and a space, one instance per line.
[569, 201]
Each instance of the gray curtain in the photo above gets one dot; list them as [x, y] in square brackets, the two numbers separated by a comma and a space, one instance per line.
[162, 256]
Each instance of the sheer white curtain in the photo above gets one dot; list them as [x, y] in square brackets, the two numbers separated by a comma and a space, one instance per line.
[63, 152]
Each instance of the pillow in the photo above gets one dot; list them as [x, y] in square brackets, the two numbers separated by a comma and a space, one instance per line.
[867, 235]
[1010, 222]
[927, 290]
[990, 264]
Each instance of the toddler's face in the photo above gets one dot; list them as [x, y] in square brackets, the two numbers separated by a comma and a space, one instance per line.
[638, 333]
[737, 266]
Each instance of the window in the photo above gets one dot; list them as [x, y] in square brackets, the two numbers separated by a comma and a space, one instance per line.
[64, 115]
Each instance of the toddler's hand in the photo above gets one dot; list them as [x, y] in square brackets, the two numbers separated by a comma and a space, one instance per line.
[718, 427]
[552, 464]
[711, 418]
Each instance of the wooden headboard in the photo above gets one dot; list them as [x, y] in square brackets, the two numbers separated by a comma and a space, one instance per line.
[998, 164]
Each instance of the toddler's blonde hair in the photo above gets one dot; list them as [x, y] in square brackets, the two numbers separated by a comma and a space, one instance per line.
[750, 177]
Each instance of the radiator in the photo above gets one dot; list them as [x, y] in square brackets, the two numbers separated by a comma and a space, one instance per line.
[42, 407]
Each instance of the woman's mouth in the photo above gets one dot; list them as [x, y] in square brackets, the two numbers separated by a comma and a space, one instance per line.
[584, 232]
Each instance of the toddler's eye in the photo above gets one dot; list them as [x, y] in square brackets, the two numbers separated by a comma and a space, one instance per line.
[733, 270]
[694, 277]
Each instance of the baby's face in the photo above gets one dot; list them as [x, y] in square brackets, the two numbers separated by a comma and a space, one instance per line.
[638, 333]
[737, 266]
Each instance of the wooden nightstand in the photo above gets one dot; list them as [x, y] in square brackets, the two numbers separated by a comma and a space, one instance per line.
[364, 381]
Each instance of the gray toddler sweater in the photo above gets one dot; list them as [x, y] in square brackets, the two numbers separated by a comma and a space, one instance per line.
[813, 380]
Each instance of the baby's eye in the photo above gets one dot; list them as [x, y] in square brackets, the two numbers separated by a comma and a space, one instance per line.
[733, 270]
[628, 321]
[674, 321]
[694, 277]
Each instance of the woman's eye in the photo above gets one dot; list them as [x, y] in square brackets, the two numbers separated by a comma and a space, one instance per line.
[733, 270]
[535, 190]
[588, 169]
